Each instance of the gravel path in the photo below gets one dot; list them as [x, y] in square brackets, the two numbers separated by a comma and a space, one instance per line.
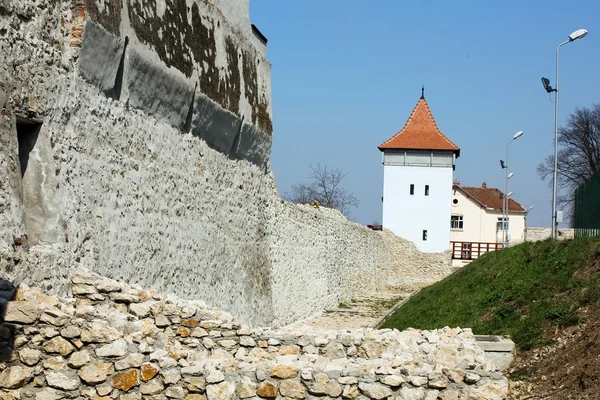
[362, 311]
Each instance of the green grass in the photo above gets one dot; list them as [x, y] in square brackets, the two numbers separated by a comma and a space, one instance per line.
[521, 291]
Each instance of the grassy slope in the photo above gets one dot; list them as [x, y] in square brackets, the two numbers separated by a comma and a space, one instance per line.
[520, 291]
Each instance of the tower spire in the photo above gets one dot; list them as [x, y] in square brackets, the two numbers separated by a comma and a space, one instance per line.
[423, 92]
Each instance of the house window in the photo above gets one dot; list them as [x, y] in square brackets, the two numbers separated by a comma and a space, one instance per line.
[456, 222]
[426, 190]
[502, 224]
[412, 189]
[424, 234]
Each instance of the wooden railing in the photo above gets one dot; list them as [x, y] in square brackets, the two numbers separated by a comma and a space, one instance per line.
[472, 250]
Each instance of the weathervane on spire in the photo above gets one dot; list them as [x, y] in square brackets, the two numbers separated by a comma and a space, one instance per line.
[423, 92]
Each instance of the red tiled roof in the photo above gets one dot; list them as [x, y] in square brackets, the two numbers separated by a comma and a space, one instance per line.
[490, 198]
[420, 132]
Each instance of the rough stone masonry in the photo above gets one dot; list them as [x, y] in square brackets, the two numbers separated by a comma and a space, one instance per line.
[114, 341]
[134, 141]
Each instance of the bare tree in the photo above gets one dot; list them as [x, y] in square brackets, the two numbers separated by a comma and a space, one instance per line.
[325, 187]
[578, 155]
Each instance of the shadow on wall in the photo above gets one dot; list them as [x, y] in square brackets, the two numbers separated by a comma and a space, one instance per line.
[7, 293]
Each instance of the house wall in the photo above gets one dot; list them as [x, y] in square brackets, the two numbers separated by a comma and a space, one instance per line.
[408, 215]
[479, 225]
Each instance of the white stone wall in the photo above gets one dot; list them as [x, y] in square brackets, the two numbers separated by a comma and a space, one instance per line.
[157, 183]
[408, 215]
[535, 234]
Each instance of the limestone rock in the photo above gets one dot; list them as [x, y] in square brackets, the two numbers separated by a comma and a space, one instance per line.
[195, 384]
[410, 393]
[58, 345]
[154, 386]
[215, 376]
[131, 396]
[29, 357]
[472, 377]
[350, 392]
[293, 389]
[375, 391]
[140, 310]
[288, 350]
[79, 359]
[149, 371]
[392, 380]
[161, 321]
[245, 341]
[133, 360]
[437, 381]
[246, 388]
[126, 298]
[108, 285]
[126, 380]
[324, 385]
[284, 371]
[221, 391]
[117, 348]
[335, 350]
[174, 392]
[21, 312]
[100, 332]
[82, 290]
[171, 376]
[54, 363]
[195, 396]
[95, 373]
[48, 394]
[70, 332]
[58, 380]
[15, 377]
[104, 390]
[267, 389]
[54, 316]
[370, 350]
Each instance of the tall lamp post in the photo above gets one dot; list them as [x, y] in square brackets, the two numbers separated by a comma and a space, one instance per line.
[578, 34]
[506, 194]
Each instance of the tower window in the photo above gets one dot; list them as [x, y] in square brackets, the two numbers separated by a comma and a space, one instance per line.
[426, 190]
[424, 234]
[412, 189]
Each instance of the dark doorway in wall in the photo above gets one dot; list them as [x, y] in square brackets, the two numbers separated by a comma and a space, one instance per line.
[27, 135]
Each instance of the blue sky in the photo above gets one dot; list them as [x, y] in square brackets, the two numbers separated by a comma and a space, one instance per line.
[346, 75]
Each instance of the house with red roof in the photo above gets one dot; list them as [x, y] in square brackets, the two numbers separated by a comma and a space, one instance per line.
[478, 216]
[418, 166]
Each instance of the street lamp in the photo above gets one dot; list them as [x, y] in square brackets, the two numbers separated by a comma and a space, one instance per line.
[505, 202]
[578, 34]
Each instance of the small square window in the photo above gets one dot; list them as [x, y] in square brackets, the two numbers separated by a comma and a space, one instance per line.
[424, 234]
[426, 190]
[456, 222]
[412, 189]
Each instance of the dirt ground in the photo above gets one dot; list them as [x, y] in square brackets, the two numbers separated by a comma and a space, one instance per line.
[567, 369]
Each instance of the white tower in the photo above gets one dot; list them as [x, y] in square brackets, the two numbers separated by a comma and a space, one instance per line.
[418, 165]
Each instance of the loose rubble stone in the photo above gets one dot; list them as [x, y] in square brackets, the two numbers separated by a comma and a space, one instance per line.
[99, 332]
[126, 380]
[220, 391]
[293, 389]
[108, 285]
[54, 363]
[134, 360]
[79, 359]
[54, 316]
[70, 332]
[175, 392]
[61, 381]
[267, 389]
[392, 380]
[140, 310]
[21, 312]
[148, 371]
[246, 388]
[215, 377]
[103, 390]
[370, 350]
[350, 392]
[154, 386]
[95, 373]
[374, 390]
[171, 376]
[324, 385]
[29, 357]
[284, 371]
[115, 349]
[15, 377]
[58, 345]
[335, 350]
[471, 377]
[48, 394]
[409, 393]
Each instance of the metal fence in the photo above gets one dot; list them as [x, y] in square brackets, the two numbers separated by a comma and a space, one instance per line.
[587, 208]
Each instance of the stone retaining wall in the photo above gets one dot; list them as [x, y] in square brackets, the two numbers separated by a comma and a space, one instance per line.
[113, 341]
[535, 234]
